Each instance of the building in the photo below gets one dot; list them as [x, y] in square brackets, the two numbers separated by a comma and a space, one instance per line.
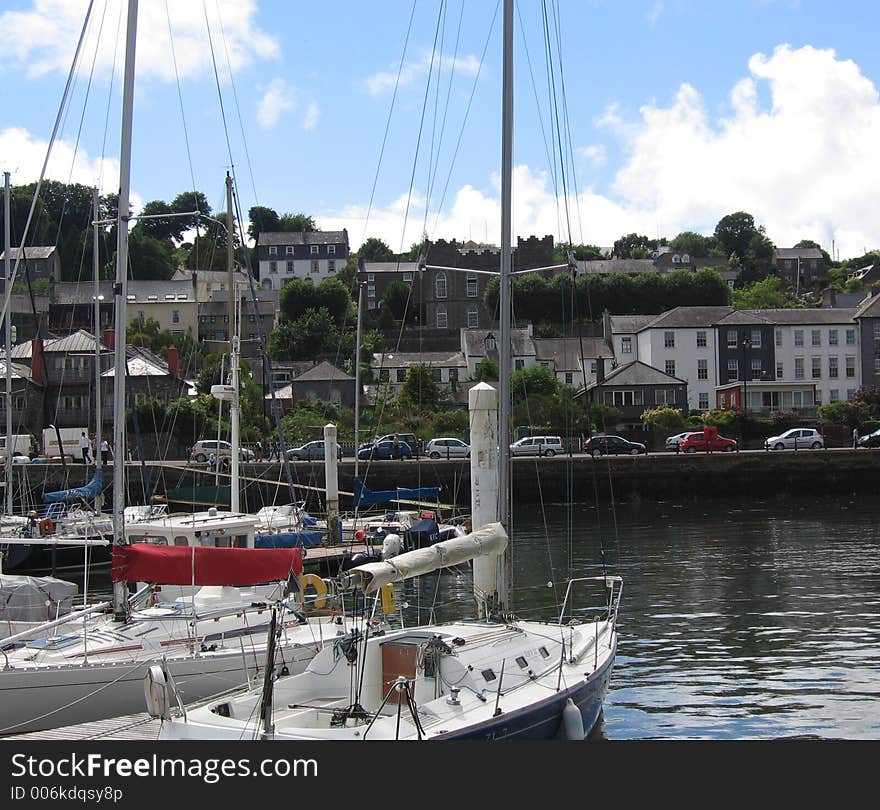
[213, 324]
[799, 266]
[27, 400]
[448, 369]
[867, 316]
[284, 255]
[150, 378]
[38, 262]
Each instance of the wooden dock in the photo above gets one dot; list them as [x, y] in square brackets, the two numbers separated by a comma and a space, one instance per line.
[129, 727]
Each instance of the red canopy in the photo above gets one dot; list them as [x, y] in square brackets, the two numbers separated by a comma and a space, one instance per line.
[203, 565]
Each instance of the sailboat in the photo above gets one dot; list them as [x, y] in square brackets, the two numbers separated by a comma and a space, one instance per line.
[494, 678]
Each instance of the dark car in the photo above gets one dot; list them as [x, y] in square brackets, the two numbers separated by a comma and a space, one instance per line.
[613, 445]
[871, 440]
[385, 449]
[311, 451]
[707, 444]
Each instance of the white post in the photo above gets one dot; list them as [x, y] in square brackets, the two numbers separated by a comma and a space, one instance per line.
[96, 315]
[234, 347]
[8, 338]
[331, 479]
[489, 584]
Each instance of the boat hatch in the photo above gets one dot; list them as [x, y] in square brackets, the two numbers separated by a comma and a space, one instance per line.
[53, 642]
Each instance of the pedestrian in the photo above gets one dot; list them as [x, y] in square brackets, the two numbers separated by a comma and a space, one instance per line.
[258, 452]
[855, 438]
[105, 451]
[84, 446]
[212, 461]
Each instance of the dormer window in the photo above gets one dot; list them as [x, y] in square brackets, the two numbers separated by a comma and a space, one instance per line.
[676, 259]
[685, 258]
[273, 250]
[490, 343]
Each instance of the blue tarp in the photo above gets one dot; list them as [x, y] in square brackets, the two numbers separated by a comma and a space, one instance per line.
[363, 496]
[88, 492]
[421, 534]
[306, 539]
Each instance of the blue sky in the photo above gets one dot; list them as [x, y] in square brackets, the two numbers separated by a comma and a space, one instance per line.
[679, 112]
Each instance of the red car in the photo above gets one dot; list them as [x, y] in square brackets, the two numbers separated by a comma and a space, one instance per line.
[699, 441]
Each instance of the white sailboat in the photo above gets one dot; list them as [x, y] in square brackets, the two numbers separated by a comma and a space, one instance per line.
[497, 678]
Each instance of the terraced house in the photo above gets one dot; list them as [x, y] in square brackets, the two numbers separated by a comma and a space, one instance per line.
[284, 255]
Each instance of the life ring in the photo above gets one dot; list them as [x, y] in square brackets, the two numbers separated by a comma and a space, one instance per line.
[47, 526]
[314, 581]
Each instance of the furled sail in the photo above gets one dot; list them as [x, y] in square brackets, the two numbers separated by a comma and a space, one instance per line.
[364, 496]
[203, 565]
[84, 493]
[488, 539]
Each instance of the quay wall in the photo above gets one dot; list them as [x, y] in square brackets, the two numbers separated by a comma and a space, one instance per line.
[660, 476]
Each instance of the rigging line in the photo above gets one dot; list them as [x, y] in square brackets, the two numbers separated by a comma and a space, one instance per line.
[110, 94]
[180, 97]
[217, 82]
[70, 75]
[466, 114]
[388, 121]
[237, 106]
[431, 152]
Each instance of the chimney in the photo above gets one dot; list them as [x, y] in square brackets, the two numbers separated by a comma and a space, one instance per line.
[600, 370]
[109, 337]
[37, 371]
[173, 361]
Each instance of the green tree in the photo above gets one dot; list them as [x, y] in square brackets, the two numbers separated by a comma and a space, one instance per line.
[313, 334]
[764, 294]
[734, 233]
[297, 223]
[419, 389]
[262, 220]
[397, 298]
[375, 250]
[665, 421]
[695, 244]
[486, 370]
[533, 381]
[636, 246]
[150, 258]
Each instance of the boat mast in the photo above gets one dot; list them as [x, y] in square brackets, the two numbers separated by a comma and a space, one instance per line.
[234, 338]
[357, 377]
[504, 580]
[96, 314]
[120, 291]
[8, 354]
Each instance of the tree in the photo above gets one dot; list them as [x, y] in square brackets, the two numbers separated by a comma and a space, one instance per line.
[485, 370]
[375, 250]
[419, 388]
[397, 298]
[150, 258]
[297, 223]
[312, 334]
[665, 421]
[695, 244]
[734, 232]
[263, 220]
[764, 294]
[533, 381]
[302, 294]
[635, 246]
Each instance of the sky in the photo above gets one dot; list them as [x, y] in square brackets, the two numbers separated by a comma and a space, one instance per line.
[384, 117]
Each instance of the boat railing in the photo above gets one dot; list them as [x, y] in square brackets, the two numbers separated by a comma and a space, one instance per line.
[614, 586]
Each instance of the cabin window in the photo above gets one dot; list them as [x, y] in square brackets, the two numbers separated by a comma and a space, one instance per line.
[488, 675]
[180, 540]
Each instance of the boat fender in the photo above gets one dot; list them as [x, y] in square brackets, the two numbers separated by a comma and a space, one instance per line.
[314, 581]
[47, 526]
[572, 727]
[156, 692]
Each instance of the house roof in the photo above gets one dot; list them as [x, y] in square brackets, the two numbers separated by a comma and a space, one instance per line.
[637, 373]
[72, 292]
[19, 371]
[869, 309]
[391, 267]
[629, 324]
[77, 342]
[407, 359]
[688, 317]
[744, 317]
[605, 266]
[521, 341]
[795, 253]
[36, 252]
[826, 315]
[141, 362]
[303, 237]
[323, 371]
[566, 353]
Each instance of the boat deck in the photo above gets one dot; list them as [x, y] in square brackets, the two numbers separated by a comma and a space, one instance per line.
[128, 727]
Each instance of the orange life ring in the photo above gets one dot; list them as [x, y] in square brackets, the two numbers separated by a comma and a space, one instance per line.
[47, 526]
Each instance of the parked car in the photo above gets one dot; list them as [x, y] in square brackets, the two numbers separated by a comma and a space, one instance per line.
[385, 449]
[311, 451]
[698, 441]
[672, 442]
[447, 448]
[871, 440]
[537, 446]
[796, 438]
[613, 445]
[411, 439]
[201, 451]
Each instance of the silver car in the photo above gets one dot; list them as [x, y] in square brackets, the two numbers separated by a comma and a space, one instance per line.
[447, 448]
[796, 438]
[672, 442]
[537, 446]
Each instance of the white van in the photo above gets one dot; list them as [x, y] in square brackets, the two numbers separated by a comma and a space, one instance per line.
[69, 443]
[21, 445]
[537, 446]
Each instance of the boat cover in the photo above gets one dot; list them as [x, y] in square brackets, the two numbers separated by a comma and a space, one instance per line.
[306, 539]
[34, 599]
[488, 539]
[422, 533]
[364, 496]
[203, 565]
[84, 493]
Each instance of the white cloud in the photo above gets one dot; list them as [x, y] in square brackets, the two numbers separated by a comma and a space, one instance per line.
[655, 12]
[313, 113]
[46, 36]
[595, 154]
[280, 97]
[384, 81]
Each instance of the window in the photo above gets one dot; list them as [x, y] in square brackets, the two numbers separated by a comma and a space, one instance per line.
[757, 371]
[441, 317]
[669, 340]
[490, 343]
[440, 285]
[152, 298]
[371, 290]
[175, 316]
[273, 266]
[756, 338]
[663, 396]
[850, 367]
[703, 403]
[626, 345]
[833, 395]
[252, 319]
[213, 318]
[779, 371]
[519, 364]
[876, 330]
[701, 338]
[778, 337]
[732, 370]
[732, 339]
[473, 320]
[371, 277]
[850, 393]
[315, 266]
[816, 368]
[401, 375]
[832, 368]
[453, 375]
[816, 337]
[702, 369]
[850, 337]
[798, 337]
[436, 374]
[818, 397]
[471, 286]
[670, 368]
[331, 266]
[832, 337]
[169, 296]
[407, 277]
[798, 368]
[331, 249]
[314, 249]
[203, 318]
[273, 250]
[569, 378]
[289, 250]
